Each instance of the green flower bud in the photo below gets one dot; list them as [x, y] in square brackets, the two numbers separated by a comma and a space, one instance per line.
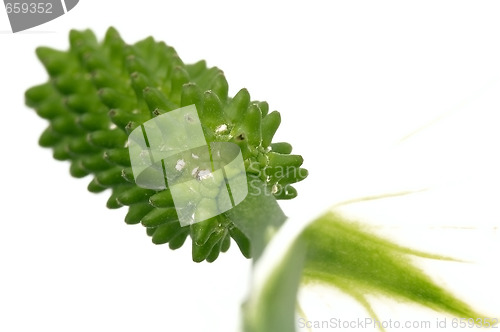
[99, 92]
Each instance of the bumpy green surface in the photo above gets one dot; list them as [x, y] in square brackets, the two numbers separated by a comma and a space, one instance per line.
[98, 93]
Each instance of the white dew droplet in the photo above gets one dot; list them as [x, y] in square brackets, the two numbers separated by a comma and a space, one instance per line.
[180, 165]
[201, 174]
[204, 174]
[221, 129]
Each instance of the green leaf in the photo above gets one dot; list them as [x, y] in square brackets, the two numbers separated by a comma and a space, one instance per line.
[258, 216]
[271, 308]
[341, 253]
[337, 252]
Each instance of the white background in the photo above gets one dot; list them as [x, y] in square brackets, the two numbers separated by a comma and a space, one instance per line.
[351, 79]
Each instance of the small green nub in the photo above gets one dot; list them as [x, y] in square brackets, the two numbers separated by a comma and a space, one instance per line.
[196, 69]
[38, 94]
[61, 151]
[82, 40]
[82, 103]
[191, 94]
[281, 147]
[116, 45]
[162, 199]
[160, 216]
[49, 138]
[264, 107]
[77, 170]
[79, 145]
[112, 203]
[166, 232]
[110, 177]
[177, 241]
[136, 65]
[115, 99]
[252, 125]
[242, 241]
[131, 126]
[95, 187]
[157, 100]
[139, 82]
[103, 79]
[107, 139]
[55, 62]
[51, 109]
[277, 160]
[226, 243]
[136, 212]
[150, 230]
[200, 253]
[179, 77]
[128, 175]
[238, 105]
[94, 61]
[270, 124]
[206, 79]
[214, 253]
[115, 192]
[120, 157]
[121, 118]
[95, 163]
[220, 87]
[66, 125]
[286, 192]
[294, 175]
[93, 121]
[212, 114]
[201, 231]
[134, 195]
